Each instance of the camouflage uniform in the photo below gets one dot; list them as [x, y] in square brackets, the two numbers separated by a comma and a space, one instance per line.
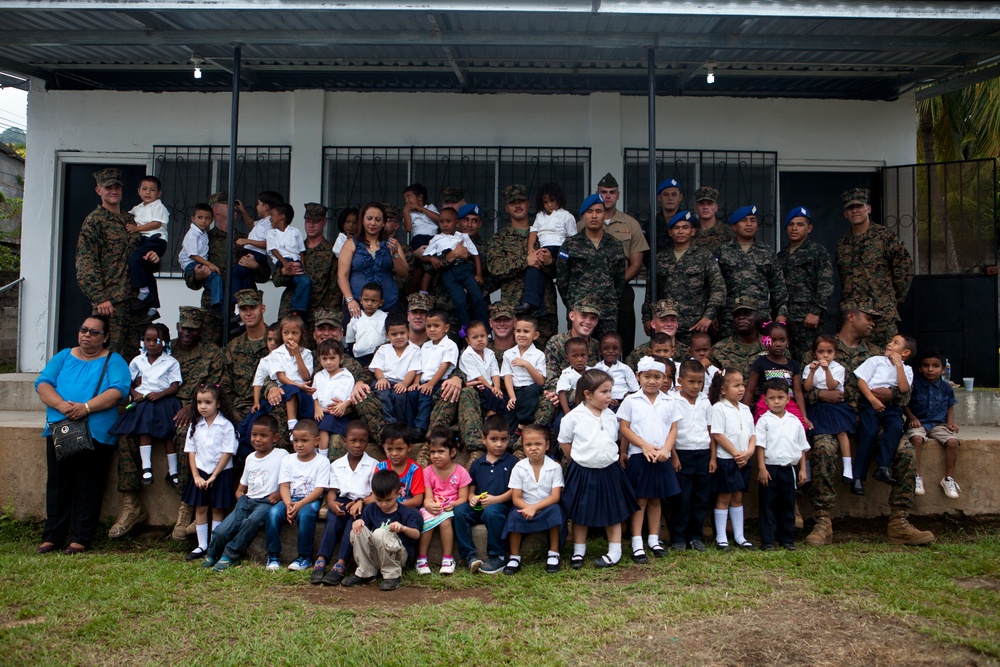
[808, 276]
[755, 274]
[505, 260]
[694, 283]
[239, 361]
[102, 251]
[825, 453]
[320, 265]
[730, 353]
[875, 267]
[713, 238]
[555, 363]
[583, 270]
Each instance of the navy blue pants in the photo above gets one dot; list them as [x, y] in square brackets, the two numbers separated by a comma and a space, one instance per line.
[777, 506]
[399, 408]
[460, 280]
[337, 528]
[689, 509]
[891, 421]
[525, 407]
[243, 277]
[535, 282]
[424, 406]
[140, 271]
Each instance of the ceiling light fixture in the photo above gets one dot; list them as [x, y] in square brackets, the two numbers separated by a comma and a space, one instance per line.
[710, 79]
[197, 60]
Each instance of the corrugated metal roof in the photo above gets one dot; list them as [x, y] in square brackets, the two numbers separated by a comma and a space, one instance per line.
[149, 46]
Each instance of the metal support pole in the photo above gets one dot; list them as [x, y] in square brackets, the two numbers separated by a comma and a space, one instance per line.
[234, 131]
[651, 292]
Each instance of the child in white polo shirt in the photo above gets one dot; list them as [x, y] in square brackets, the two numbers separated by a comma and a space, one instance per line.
[523, 374]
[692, 459]
[438, 358]
[624, 378]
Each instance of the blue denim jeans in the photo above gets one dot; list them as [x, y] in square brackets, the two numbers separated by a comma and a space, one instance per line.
[306, 519]
[494, 516]
[301, 293]
[535, 282]
[213, 283]
[460, 280]
[233, 536]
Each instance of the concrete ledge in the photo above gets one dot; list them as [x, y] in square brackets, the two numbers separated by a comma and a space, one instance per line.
[977, 408]
[17, 392]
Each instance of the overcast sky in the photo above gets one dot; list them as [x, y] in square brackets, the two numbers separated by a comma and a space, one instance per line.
[13, 108]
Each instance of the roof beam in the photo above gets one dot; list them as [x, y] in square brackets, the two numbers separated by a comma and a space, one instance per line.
[958, 82]
[305, 38]
[820, 9]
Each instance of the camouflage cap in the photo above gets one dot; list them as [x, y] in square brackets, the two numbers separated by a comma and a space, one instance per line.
[249, 297]
[608, 181]
[664, 308]
[513, 193]
[190, 317]
[108, 177]
[864, 306]
[501, 309]
[451, 195]
[392, 212]
[315, 211]
[745, 303]
[855, 197]
[326, 316]
[588, 304]
[220, 197]
[706, 194]
[420, 301]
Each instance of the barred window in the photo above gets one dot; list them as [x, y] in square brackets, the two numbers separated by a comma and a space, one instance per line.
[190, 174]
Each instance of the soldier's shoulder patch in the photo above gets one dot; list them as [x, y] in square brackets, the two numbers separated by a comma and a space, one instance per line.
[563, 254]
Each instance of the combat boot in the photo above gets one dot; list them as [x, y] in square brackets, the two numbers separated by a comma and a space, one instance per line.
[799, 524]
[902, 532]
[822, 532]
[132, 513]
[185, 515]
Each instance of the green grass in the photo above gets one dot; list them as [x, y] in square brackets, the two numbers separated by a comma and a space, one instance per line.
[140, 602]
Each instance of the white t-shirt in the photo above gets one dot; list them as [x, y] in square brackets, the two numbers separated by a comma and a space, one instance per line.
[353, 484]
[624, 379]
[593, 439]
[282, 361]
[532, 490]
[692, 430]
[289, 243]
[649, 421]
[209, 443]
[432, 356]
[195, 243]
[260, 230]
[783, 438]
[819, 380]
[152, 212]
[735, 422]
[568, 379]
[442, 243]
[159, 375]
[880, 373]
[522, 378]
[330, 387]
[263, 372]
[475, 367]
[303, 477]
[395, 367]
[421, 225]
[366, 332]
[553, 228]
[260, 475]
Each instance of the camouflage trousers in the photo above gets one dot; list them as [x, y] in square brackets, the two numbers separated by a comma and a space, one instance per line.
[824, 458]
[883, 332]
[370, 411]
[126, 330]
[605, 325]
[802, 338]
[470, 420]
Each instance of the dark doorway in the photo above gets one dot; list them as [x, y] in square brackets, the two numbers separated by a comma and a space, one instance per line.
[820, 192]
[78, 200]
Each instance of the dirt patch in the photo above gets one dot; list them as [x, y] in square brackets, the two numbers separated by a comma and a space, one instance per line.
[789, 631]
[978, 583]
[6, 624]
[370, 597]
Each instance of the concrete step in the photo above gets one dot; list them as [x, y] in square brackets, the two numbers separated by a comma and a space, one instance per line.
[17, 392]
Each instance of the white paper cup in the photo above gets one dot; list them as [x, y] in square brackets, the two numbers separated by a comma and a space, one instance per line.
[968, 383]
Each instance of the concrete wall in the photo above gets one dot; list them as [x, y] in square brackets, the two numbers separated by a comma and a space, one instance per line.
[123, 127]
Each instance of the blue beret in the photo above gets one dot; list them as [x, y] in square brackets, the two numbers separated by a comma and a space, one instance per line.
[741, 213]
[470, 209]
[683, 215]
[668, 183]
[798, 212]
[588, 202]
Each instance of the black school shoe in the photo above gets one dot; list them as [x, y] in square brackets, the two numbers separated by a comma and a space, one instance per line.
[858, 488]
[354, 580]
[639, 556]
[697, 545]
[389, 584]
[552, 568]
[883, 475]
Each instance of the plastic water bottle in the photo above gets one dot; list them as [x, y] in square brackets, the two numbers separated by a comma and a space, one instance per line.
[947, 370]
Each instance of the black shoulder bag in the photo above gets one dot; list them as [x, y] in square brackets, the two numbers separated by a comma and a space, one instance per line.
[70, 437]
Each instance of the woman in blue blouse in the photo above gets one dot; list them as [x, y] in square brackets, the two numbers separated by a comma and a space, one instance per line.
[371, 257]
[74, 487]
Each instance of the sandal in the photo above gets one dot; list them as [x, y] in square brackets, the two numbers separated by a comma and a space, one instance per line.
[147, 476]
[639, 556]
[604, 562]
[576, 562]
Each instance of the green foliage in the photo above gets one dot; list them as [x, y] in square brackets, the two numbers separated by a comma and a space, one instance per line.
[10, 209]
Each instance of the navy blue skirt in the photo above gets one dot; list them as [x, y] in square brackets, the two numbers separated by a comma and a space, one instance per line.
[152, 418]
[729, 477]
[550, 517]
[598, 496]
[219, 496]
[651, 480]
[832, 418]
[307, 405]
[334, 424]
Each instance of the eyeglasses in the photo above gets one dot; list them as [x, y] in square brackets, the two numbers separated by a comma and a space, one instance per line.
[91, 332]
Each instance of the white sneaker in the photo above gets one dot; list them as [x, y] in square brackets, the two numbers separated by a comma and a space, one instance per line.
[918, 488]
[447, 566]
[951, 487]
[422, 567]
